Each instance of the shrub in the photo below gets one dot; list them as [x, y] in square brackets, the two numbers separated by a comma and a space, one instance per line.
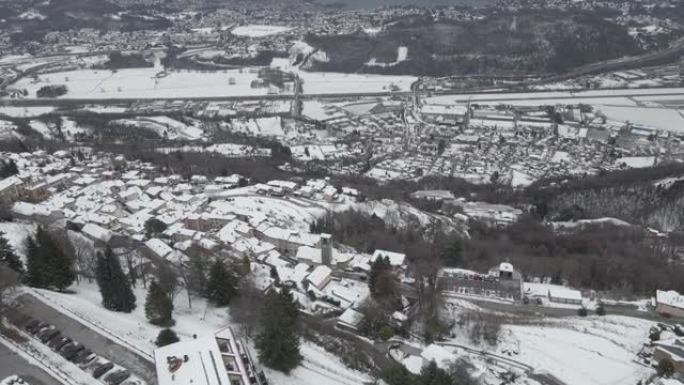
[582, 312]
[166, 337]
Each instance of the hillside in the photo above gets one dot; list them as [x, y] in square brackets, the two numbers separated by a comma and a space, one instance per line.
[524, 43]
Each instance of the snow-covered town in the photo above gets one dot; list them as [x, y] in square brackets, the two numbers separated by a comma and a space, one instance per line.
[378, 192]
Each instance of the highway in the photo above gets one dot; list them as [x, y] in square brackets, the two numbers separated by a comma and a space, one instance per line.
[459, 97]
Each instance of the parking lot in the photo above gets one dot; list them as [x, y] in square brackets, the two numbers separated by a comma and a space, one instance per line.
[12, 363]
[30, 309]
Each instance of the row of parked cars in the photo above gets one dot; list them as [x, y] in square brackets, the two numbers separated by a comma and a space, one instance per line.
[78, 354]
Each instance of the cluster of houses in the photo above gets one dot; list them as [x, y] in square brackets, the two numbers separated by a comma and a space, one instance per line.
[109, 200]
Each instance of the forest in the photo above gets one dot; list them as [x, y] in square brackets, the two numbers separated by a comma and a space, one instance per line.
[513, 44]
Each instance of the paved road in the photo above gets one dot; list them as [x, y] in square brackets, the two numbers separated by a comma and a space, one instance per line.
[99, 344]
[542, 311]
[12, 363]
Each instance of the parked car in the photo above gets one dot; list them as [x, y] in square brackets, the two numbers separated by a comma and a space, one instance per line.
[47, 334]
[102, 369]
[70, 350]
[83, 357]
[57, 343]
[36, 328]
[31, 324]
[116, 378]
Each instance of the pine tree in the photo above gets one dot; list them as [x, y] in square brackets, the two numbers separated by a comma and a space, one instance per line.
[8, 257]
[379, 267]
[166, 337]
[158, 306]
[114, 286]
[221, 286]
[60, 265]
[278, 342]
[47, 265]
[35, 266]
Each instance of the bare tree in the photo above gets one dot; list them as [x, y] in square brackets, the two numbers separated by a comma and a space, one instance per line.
[84, 253]
[244, 309]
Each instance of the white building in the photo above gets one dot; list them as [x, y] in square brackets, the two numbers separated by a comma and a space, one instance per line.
[212, 360]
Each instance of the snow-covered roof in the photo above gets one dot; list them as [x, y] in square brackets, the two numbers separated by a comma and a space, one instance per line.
[202, 367]
[670, 298]
[439, 354]
[159, 247]
[350, 318]
[97, 232]
[439, 109]
[395, 259]
[319, 276]
[9, 182]
[565, 293]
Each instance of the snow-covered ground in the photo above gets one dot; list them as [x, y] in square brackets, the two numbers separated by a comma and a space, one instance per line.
[16, 234]
[202, 319]
[593, 351]
[339, 83]
[144, 83]
[166, 127]
[257, 30]
[25, 112]
[579, 351]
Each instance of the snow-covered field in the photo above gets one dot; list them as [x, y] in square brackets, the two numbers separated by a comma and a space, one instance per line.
[144, 83]
[203, 319]
[166, 127]
[339, 83]
[257, 30]
[579, 351]
[592, 351]
[25, 112]
[658, 118]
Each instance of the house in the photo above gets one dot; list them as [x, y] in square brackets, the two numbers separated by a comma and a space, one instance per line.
[502, 282]
[218, 359]
[159, 248]
[564, 295]
[10, 189]
[350, 320]
[96, 233]
[444, 114]
[669, 303]
[320, 277]
[673, 350]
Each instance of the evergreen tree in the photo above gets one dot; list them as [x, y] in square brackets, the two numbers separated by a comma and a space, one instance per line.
[158, 306]
[35, 266]
[278, 342]
[378, 267]
[60, 265]
[8, 257]
[47, 265]
[166, 337]
[114, 286]
[431, 374]
[221, 286]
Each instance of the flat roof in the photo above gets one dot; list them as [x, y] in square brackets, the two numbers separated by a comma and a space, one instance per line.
[200, 363]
